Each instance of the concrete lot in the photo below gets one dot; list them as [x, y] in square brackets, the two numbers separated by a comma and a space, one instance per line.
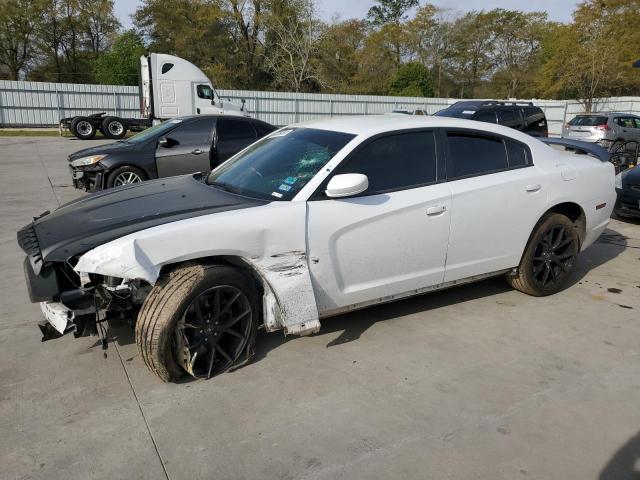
[477, 382]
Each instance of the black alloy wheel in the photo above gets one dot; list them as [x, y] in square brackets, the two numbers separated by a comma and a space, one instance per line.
[553, 258]
[213, 332]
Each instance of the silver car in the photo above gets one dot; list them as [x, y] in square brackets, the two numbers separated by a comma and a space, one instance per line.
[603, 127]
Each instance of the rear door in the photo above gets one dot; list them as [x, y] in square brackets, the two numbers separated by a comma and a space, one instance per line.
[497, 195]
[188, 148]
[232, 135]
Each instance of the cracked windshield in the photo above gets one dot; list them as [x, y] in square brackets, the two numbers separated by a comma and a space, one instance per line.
[279, 166]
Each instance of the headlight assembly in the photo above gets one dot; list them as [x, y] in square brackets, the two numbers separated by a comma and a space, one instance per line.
[87, 161]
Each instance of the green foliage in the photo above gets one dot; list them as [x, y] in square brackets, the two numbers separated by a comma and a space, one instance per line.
[403, 47]
[119, 66]
[412, 80]
[390, 11]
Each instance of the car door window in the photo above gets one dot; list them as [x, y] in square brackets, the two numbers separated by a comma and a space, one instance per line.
[396, 162]
[205, 91]
[233, 129]
[510, 118]
[488, 116]
[473, 154]
[197, 132]
[636, 122]
[263, 128]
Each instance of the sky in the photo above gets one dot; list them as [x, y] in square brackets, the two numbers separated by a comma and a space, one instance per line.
[558, 10]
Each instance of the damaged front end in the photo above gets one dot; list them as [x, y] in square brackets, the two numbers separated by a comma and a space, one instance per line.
[72, 303]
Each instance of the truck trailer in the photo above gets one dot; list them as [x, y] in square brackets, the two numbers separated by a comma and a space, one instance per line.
[169, 87]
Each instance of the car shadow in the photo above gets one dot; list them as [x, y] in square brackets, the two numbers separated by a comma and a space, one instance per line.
[607, 247]
[353, 325]
[625, 463]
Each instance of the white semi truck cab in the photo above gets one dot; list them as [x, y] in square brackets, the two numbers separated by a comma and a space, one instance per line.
[169, 87]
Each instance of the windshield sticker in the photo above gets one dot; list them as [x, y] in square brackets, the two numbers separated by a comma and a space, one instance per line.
[281, 133]
[290, 180]
[276, 194]
[284, 187]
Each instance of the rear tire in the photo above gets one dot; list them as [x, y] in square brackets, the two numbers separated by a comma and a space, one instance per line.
[114, 127]
[185, 326]
[549, 257]
[83, 128]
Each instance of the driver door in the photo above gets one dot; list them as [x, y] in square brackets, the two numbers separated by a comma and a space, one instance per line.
[389, 240]
[188, 149]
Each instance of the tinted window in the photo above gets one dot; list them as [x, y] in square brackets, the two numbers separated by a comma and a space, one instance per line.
[456, 113]
[396, 162]
[205, 91]
[517, 153]
[588, 121]
[625, 122]
[263, 128]
[637, 121]
[197, 132]
[510, 118]
[278, 166]
[487, 116]
[166, 67]
[234, 129]
[474, 155]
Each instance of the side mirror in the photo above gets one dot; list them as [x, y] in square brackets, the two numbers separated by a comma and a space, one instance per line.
[164, 142]
[346, 185]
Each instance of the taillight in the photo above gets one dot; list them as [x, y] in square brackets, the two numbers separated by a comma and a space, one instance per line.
[604, 127]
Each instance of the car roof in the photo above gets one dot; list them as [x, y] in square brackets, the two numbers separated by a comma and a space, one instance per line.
[375, 124]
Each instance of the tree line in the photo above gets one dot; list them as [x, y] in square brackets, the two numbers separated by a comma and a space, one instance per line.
[402, 47]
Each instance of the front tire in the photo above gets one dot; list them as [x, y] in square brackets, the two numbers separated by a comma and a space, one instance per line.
[549, 257]
[198, 320]
[125, 176]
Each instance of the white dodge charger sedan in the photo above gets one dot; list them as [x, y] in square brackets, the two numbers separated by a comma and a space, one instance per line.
[311, 221]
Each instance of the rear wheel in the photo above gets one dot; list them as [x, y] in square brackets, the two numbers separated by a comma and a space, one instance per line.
[549, 258]
[198, 321]
[114, 127]
[82, 128]
[125, 176]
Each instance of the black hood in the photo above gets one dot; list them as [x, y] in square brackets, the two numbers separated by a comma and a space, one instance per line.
[102, 150]
[98, 218]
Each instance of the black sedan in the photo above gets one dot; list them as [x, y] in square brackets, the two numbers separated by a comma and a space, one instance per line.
[628, 190]
[175, 147]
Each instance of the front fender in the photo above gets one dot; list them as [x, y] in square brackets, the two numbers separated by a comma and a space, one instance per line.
[270, 238]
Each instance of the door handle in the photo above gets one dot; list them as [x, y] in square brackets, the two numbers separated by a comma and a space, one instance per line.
[534, 188]
[197, 151]
[436, 210]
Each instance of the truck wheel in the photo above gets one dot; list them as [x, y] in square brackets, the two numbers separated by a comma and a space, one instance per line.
[125, 176]
[114, 127]
[198, 320]
[82, 128]
[549, 258]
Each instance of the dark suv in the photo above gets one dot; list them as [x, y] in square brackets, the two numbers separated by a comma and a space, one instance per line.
[525, 117]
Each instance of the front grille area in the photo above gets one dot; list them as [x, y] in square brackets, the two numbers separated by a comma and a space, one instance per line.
[28, 241]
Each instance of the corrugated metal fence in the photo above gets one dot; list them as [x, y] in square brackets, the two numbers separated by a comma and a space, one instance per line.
[35, 104]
